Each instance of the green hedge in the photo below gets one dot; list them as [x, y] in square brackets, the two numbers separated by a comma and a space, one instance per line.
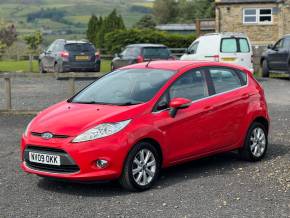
[118, 39]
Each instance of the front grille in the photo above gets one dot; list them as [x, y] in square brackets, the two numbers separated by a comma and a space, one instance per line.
[53, 169]
[67, 163]
[38, 134]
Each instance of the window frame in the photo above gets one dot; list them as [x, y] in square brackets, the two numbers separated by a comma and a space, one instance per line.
[258, 15]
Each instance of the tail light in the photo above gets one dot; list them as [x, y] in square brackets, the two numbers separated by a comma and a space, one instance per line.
[216, 58]
[140, 59]
[97, 55]
[64, 54]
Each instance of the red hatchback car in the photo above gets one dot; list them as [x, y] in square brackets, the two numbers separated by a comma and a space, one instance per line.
[133, 122]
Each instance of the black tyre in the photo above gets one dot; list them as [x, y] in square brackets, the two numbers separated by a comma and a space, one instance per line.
[58, 68]
[141, 168]
[256, 143]
[41, 69]
[265, 68]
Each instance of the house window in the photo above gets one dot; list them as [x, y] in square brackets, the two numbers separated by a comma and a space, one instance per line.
[257, 15]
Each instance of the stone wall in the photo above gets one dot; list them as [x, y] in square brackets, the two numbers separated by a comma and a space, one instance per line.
[229, 18]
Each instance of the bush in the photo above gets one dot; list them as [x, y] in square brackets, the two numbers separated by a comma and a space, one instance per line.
[115, 41]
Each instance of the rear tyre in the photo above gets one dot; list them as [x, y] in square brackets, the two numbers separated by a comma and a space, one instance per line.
[256, 143]
[58, 68]
[141, 168]
[265, 69]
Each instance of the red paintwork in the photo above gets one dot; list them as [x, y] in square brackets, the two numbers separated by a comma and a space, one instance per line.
[179, 102]
[212, 125]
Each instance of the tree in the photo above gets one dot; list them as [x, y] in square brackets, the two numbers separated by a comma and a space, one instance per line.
[94, 26]
[165, 11]
[33, 42]
[109, 24]
[8, 36]
[146, 22]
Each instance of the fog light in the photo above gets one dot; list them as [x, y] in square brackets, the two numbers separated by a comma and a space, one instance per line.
[102, 163]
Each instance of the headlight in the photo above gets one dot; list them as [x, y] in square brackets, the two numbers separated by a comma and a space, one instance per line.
[101, 131]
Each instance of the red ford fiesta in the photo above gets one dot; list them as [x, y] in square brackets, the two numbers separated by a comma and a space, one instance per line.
[133, 122]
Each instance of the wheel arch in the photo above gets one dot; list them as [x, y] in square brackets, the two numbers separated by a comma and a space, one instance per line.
[263, 121]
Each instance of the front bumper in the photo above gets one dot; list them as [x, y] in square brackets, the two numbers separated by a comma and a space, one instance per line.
[78, 160]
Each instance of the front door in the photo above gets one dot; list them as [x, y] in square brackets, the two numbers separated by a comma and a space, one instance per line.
[186, 134]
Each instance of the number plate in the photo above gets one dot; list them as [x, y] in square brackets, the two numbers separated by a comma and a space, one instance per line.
[44, 158]
[82, 58]
[229, 59]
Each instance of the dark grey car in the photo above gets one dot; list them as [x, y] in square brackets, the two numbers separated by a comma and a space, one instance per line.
[277, 58]
[138, 53]
[63, 56]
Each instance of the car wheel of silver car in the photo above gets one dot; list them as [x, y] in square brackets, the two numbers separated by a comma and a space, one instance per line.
[265, 68]
[256, 143]
[141, 168]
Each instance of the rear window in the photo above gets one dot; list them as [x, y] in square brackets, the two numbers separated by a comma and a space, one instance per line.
[131, 52]
[161, 52]
[235, 45]
[79, 47]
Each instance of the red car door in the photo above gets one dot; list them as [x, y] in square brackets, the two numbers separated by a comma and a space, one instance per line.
[229, 106]
[187, 134]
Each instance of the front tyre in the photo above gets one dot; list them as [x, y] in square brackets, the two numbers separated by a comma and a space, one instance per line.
[256, 143]
[141, 168]
[265, 69]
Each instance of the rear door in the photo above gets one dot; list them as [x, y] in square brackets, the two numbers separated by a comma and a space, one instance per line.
[229, 106]
[236, 50]
[80, 53]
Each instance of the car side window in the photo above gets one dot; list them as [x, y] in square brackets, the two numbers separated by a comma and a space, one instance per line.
[286, 43]
[50, 48]
[244, 45]
[224, 79]
[193, 48]
[229, 45]
[192, 85]
[279, 44]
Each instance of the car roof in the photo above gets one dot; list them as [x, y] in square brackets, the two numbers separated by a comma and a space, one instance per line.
[144, 45]
[227, 34]
[177, 65]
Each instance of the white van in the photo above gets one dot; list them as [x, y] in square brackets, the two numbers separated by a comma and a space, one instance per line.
[224, 47]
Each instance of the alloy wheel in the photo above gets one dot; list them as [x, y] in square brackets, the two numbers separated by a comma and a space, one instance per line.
[258, 142]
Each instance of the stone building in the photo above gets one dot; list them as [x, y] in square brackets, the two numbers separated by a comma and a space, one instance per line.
[264, 21]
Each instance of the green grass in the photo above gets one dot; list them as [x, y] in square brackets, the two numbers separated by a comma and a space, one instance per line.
[23, 66]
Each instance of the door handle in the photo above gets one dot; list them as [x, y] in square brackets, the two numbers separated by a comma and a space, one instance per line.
[208, 108]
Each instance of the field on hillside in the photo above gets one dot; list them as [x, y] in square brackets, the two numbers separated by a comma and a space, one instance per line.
[76, 14]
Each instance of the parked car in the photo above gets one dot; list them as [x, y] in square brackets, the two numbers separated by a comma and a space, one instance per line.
[64, 55]
[222, 47]
[138, 53]
[133, 122]
[277, 58]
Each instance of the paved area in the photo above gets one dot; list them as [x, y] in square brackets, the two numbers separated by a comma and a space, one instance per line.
[219, 186]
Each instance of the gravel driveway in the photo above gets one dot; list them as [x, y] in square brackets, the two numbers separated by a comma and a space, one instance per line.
[219, 186]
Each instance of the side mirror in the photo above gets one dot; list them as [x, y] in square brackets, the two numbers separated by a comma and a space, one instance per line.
[177, 104]
[270, 46]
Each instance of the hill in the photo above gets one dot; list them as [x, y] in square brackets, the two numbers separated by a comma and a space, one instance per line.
[66, 18]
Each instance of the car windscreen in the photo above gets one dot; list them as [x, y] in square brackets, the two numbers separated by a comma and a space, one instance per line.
[156, 52]
[79, 47]
[125, 87]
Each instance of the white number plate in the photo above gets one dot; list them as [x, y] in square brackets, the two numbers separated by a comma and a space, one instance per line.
[44, 158]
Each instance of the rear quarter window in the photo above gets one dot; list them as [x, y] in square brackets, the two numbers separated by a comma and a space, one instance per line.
[244, 45]
[229, 45]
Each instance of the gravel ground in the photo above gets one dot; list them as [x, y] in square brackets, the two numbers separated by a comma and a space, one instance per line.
[219, 186]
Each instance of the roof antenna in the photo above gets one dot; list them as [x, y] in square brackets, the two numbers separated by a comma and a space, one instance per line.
[147, 65]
